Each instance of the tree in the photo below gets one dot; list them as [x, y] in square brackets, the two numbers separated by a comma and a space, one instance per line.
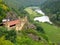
[2, 13]
[5, 42]
[57, 16]
[0, 1]
[11, 35]
[3, 31]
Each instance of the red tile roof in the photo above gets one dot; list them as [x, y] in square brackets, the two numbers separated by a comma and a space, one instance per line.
[13, 22]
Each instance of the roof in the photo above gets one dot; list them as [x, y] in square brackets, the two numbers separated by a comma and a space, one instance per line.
[13, 22]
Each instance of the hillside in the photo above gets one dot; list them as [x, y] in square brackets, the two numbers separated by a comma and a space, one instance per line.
[3, 10]
[52, 5]
[52, 9]
[51, 31]
[23, 37]
[33, 32]
[23, 3]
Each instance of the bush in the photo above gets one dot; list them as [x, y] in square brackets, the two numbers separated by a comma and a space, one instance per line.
[3, 31]
[5, 42]
[11, 35]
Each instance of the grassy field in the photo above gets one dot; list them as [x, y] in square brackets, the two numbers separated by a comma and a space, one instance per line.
[32, 13]
[52, 31]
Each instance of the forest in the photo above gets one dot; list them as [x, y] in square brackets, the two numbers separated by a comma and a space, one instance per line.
[52, 9]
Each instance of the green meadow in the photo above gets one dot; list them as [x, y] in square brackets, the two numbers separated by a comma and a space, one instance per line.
[52, 31]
